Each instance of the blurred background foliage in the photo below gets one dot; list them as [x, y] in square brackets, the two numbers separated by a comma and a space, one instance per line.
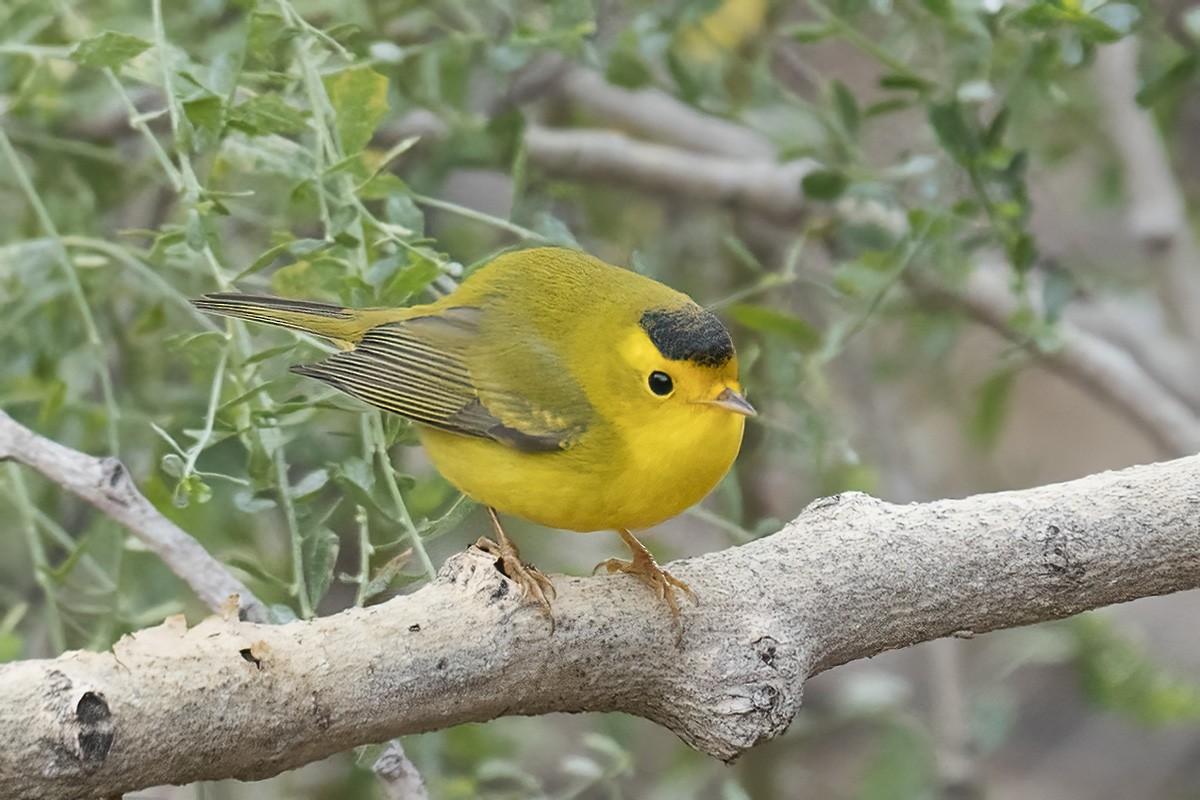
[372, 152]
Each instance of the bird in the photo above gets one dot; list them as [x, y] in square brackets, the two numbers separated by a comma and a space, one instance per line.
[551, 386]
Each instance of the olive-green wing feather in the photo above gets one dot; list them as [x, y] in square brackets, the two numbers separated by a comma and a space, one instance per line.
[441, 370]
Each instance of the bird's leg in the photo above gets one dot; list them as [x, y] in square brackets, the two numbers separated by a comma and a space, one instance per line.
[645, 567]
[533, 584]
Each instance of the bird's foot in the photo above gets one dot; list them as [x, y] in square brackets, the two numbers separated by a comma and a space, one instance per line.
[643, 565]
[532, 583]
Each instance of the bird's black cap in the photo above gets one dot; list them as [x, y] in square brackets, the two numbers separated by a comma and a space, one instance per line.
[689, 333]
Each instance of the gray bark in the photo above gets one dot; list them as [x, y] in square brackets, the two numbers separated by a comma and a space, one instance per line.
[850, 577]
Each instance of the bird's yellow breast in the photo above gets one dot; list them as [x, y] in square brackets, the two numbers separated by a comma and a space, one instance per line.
[612, 478]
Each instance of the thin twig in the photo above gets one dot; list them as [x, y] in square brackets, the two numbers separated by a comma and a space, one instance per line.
[107, 485]
[379, 446]
[37, 554]
[399, 776]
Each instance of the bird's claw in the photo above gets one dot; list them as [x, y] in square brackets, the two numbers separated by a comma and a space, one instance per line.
[643, 565]
[532, 583]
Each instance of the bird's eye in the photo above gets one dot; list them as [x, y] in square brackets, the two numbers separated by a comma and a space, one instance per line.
[661, 383]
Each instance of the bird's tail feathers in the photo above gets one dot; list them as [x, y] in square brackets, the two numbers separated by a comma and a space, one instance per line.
[343, 325]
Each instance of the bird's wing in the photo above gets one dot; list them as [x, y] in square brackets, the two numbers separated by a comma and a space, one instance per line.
[440, 370]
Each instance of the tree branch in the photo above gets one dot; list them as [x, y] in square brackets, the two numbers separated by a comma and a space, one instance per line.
[1109, 372]
[765, 186]
[1137, 326]
[661, 116]
[1157, 215]
[106, 484]
[851, 577]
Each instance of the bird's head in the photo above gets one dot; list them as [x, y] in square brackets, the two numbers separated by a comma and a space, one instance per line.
[683, 359]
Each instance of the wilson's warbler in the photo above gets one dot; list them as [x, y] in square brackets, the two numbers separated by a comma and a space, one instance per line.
[549, 385]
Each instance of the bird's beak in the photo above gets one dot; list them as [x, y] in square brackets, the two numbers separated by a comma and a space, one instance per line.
[730, 400]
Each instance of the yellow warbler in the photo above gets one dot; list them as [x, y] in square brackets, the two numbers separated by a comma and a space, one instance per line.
[549, 385]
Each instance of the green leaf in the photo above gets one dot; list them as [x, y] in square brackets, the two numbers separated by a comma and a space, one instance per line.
[555, 230]
[626, 68]
[359, 98]
[317, 279]
[56, 397]
[777, 323]
[399, 209]
[1181, 71]
[991, 409]
[265, 30]
[942, 9]
[164, 242]
[384, 577]
[883, 107]
[297, 247]
[1120, 17]
[279, 614]
[897, 81]
[507, 133]
[192, 489]
[267, 114]
[206, 112]
[254, 358]
[847, 108]
[253, 502]
[318, 553]
[383, 186]
[454, 516]
[824, 184]
[108, 50]
[11, 646]
[357, 479]
[902, 768]
[1118, 675]
[954, 131]
[1022, 251]
[172, 465]
[1058, 289]
[310, 484]
[805, 32]
[409, 280]
[994, 135]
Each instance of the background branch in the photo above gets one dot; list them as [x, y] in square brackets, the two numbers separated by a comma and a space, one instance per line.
[850, 578]
[660, 116]
[1109, 372]
[765, 186]
[1156, 213]
[106, 484]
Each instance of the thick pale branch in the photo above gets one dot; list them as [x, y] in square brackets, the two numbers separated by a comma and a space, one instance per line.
[661, 116]
[765, 186]
[851, 577]
[106, 484]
